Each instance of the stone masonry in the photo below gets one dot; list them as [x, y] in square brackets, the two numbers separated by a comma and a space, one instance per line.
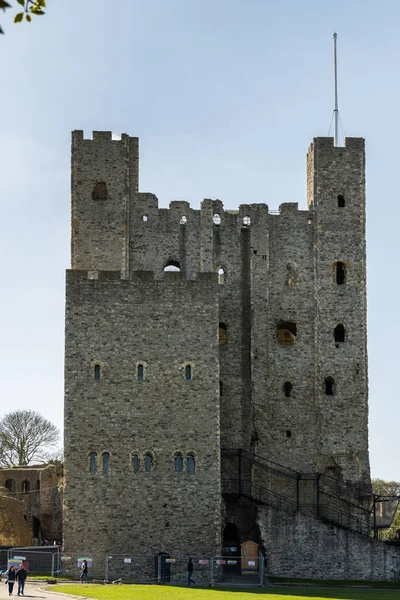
[257, 341]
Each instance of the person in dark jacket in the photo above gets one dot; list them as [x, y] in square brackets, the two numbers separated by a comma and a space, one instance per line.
[190, 572]
[84, 572]
[10, 579]
[21, 578]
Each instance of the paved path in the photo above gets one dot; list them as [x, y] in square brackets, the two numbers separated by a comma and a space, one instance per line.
[32, 590]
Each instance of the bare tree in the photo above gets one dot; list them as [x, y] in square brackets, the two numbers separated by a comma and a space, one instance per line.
[26, 437]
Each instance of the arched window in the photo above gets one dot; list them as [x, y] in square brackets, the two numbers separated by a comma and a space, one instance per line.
[172, 266]
[190, 463]
[341, 273]
[148, 462]
[106, 461]
[287, 388]
[135, 463]
[222, 334]
[100, 191]
[92, 462]
[140, 372]
[339, 334]
[188, 372]
[340, 201]
[26, 486]
[217, 219]
[97, 372]
[286, 333]
[10, 485]
[221, 276]
[178, 462]
[329, 386]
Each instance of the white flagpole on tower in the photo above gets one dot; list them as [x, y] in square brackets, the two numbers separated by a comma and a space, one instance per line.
[336, 110]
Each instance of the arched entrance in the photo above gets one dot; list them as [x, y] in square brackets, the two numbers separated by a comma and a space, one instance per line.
[231, 541]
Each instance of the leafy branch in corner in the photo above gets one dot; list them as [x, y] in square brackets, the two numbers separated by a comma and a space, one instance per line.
[30, 7]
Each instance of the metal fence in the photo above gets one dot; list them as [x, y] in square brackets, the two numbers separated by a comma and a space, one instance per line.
[35, 559]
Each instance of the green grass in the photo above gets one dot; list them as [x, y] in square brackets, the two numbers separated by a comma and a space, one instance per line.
[155, 592]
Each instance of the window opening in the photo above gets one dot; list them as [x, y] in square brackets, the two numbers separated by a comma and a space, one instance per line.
[97, 372]
[106, 461]
[148, 462]
[26, 486]
[221, 276]
[172, 266]
[136, 463]
[100, 191]
[288, 433]
[339, 334]
[178, 462]
[145, 218]
[222, 334]
[217, 219]
[340, 201]
[329, 386]
[10, 485]
[246, 221]
[340, 273]
[221, 387]
[188, 372]
[140, 372]
[38, 485]
[286, 333]
[190, 464]
[287, 388]
[92, 462]
[183, 220]
[291, 277]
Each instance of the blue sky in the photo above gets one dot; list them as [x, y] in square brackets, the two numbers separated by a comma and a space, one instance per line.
[226, 97]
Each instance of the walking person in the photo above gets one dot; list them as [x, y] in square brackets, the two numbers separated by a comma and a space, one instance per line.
[21, 578]
[10, 579]
[84, 571]
[190, 572]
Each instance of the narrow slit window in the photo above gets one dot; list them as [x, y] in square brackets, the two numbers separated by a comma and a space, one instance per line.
[222, 334]
[339, 334]
[136, 463]
[221, 387]
[140, 372]
[287, 388]
[188, 372]
[92, 462]
[38, 485]
[190, 464]
[178, 462]
[26, 486]
[106, 461]
[183, 220]
[341, 201]
[341, 273]
[97, 372]
[221, 276]
[329, 386]
[148, 462]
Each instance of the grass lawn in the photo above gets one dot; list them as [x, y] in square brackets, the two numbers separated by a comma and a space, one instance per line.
[155, 592]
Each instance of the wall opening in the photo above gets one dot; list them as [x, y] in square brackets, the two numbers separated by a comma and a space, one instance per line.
[288, 433]
[222, 334]
[100, 191]
[97, 372]
[291, 275]
[341, 273]
[106, 461]
[216, 219]
[339, 334]
[148, 462]
[221, 276]
[135, 463]
[246, 221]
[178, 462]
[140, 372]
[172, 266]
[145, 218]
[329, 386]
[221, 387]
[92, 462]
[10, 485]
[183, 220]
[231, 542]
[286, 333]
[341, 201]
[26, 486]
[190, 463]
[38, 485]
[188, 372]
[287, 388]
[35, 527]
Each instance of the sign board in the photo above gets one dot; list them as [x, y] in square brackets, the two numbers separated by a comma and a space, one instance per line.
[19, 557]
[221, 562]
[203, 561]
[14, 562]
[170, 560]
[252, 563]
[66, 557]
[127, 560]
[87, 558]
[231, 562]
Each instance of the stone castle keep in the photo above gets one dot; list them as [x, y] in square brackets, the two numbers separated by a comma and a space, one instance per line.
[215, 363]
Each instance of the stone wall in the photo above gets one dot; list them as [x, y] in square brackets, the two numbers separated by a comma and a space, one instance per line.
[14, 530]
[304, 547]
